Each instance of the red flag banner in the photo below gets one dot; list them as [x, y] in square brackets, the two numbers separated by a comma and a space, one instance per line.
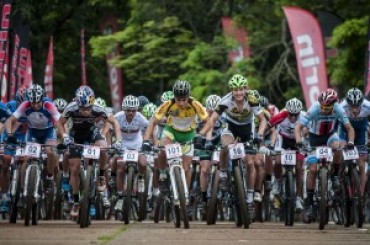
[4, 47]
[28, 76]
[83, 64]
[110, 26]
[232, 30]
[367, 67]
[309, 50]
[48, 77]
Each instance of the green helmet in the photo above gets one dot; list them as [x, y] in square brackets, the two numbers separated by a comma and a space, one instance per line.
[253, 97]
[237, 81]
[101, 102]
[167, 95]
[149, 110]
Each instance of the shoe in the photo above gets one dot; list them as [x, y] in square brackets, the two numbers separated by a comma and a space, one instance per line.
[298, 205]
[308, 214]
[92, 211]
[65, 184]
[223, 184]
[335, 184]
[276, 202]
[106, 202]
[102, 184]
[251, 211]
[119, 205]
[75, 210]
[141, 185]
[257, 197]
[49, 185]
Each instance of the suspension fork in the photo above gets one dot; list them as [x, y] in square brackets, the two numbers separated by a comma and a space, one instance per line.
[173, 182]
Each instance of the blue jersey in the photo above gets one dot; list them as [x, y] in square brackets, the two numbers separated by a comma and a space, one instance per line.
[13, 105]
[323, 124]
[5, 113]
[359, 122]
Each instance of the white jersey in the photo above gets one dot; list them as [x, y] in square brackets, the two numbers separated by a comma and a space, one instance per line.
[132, 136]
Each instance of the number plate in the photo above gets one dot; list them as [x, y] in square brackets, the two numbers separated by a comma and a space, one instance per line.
[216, 156]
[288, 158]
[130, 156]
[91, 152]
[173, 151]
[20, 152]
[236, 151]
[33, 150]
[350, 154]
[323, 152]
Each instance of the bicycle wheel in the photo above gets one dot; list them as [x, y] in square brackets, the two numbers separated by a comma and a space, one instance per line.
[99, 207]
[241, 197]
[323, 190]
[181, 191]
[84, 210]
[289, 199]
[143, 198]
[356, 202]
[212, 203]
[127, 206]
[13, 211]
[157, 207]
[31, 185]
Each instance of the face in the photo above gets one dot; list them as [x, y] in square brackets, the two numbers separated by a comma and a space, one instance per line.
[326, 110]
[355, 110]
[293, 117]
[238, 94]
[130, 113]
[85, 111]
[36, 105]
[181, 102]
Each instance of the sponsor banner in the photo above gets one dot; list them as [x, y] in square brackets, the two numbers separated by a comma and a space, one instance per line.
[232, 30]
[309, 49]
[367, 65]
[83, 64]
[6, 6]
[110, 26]
[49, 68]
[20, 48]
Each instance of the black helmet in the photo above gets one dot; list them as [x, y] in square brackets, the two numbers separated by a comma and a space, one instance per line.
[142, 101]
[181, 88]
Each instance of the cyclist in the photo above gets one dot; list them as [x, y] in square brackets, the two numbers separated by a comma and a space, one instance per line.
[149, 110]
[166, 96]
[101, 102]
[321, 119]
[132, 123]
[239, 110]
[358, 111]
[181, 112]
[41, 117]
[84, 113]
[143, 100]
[283, 138]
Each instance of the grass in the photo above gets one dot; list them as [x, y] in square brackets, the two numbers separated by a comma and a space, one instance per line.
[105, 239]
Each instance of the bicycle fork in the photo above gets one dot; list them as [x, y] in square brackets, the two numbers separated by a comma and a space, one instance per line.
[173, 183]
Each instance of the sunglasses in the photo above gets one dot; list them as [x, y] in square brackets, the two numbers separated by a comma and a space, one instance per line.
[181, 99]
[129, 110]
[293, 114]
[327, 108]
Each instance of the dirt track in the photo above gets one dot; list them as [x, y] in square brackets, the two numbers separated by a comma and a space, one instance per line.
[111, 232]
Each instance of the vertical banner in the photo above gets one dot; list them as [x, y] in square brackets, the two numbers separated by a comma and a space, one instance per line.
[6, 6]
[19, 54]
[109, 26]
[367, 65]
[309, 50]
[83, 64]
[28, 77]
[49, 68]
[232, 30]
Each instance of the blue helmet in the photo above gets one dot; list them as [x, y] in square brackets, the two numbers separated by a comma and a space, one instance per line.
[85, 96]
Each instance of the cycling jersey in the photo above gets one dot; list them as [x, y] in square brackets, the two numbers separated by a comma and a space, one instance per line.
[5, 113]
[131, 130]
[228, 106]
[320, 124]
[284, 126]
[181, 119]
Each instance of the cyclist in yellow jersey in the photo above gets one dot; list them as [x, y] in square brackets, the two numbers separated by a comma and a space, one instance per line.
[181, 112]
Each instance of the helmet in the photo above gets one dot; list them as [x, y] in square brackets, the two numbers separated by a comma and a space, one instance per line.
[142, 101]
[85, 96]
[354, 97]
[101, 102]
[21, 94]
[212, 101]
[237, 81]
[60, 104]
[181, 88]
[264, 102]
[253, 97]
[328, 97]
[35, 93]
[294, 105]
[167, 95]
[130, 102]
[149, 109]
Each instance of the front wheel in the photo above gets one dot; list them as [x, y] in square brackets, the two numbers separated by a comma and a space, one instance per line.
[31, 185]
[289, 199]
[323, 190]
[182, 199]
[356, 207]
[241, 197]
[212, 203]
[84, 211]
[127, 206]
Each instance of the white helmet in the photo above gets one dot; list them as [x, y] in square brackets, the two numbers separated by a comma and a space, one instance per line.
[35, 93]
[130, 102]
[60, 104]
[354, 97]
[212, 101]
[294, 105]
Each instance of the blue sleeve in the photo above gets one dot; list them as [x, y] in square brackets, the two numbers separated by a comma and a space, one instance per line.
[309, 115]
[341, 113]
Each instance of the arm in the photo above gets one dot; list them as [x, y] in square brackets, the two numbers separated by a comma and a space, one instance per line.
[149, 131]
[116, 127]
[297, 132]
[350, 132]
[210, 122]
[263, 123]
[273, 136]
[9, 124]
[61, 126]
